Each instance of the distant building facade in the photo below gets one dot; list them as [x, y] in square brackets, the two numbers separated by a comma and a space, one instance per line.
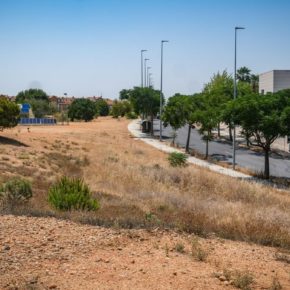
[274, 81]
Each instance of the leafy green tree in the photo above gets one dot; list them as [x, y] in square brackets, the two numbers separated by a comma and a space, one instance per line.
[121, 108]
[219, 91]
[102, 108]
[31, 94]
[255, 83]
[244, 74]
[175, 113]
[194, 102]
[9, 114]
[146, 102]
[40, 108]
[263, 119]
[82, 109]
[38, 101]
[124, 94]
[208, 118]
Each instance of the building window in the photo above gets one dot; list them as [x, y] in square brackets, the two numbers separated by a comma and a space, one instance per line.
[262, 92]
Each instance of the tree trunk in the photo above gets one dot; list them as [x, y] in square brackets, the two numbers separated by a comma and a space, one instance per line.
[267, 164]
[152, 118]
[188, 138]
[230, 134]
[219, 130]
[206, 149]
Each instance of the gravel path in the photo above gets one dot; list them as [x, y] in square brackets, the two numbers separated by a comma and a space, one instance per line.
[134, 128]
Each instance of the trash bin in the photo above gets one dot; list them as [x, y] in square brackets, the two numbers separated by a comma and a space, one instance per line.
[146, 126]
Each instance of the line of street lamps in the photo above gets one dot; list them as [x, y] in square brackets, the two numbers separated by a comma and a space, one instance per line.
[148, 83]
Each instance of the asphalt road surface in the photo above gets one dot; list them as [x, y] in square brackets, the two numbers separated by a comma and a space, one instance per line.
[279, 166]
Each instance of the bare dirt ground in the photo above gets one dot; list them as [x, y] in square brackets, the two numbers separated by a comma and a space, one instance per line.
[137, 189]
[45, 253]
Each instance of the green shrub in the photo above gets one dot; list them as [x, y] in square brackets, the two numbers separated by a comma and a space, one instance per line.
[131, 115]
[177, 159]
[71, 194]
[16, 190]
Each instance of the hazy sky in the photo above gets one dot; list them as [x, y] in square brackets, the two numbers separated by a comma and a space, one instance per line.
[92, 47]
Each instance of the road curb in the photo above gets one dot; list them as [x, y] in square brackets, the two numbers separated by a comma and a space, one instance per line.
[134, 129]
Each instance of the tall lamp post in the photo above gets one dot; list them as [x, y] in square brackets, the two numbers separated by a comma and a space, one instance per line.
[150, 80]
[235, 96]
[142, 51]
[145, 69]
[161, 83]
[147, 83]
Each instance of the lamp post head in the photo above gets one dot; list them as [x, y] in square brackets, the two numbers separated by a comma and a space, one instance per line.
[164, 41]
[239, 28]
[143, 50]
[147, 59]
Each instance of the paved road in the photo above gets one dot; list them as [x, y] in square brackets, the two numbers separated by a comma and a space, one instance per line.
[221, 150]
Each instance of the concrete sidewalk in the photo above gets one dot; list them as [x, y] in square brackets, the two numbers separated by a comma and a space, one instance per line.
[134, 128]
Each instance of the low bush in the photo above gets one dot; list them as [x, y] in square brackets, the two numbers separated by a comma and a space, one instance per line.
[131, 115]
[177, 159]
[72, 194]
[15, 191]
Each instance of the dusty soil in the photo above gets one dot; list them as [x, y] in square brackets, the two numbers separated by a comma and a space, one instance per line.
[45, 253]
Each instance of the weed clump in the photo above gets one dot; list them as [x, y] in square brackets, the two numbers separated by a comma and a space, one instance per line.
[16, 191]
[177, 159]
[197, 251]
[72, 194]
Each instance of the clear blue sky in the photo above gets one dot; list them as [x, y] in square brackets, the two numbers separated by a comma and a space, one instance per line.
[92, 47]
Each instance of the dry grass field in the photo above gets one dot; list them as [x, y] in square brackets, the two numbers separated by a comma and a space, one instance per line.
[137, 188]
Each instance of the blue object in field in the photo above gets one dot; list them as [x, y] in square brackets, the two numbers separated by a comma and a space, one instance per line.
[37, 121]
[25, 109]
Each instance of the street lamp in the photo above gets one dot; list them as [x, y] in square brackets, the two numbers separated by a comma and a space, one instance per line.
[147, 82]
[150, 80]
[145, 70]
[161, 80]
[235, 96]
[142, 51]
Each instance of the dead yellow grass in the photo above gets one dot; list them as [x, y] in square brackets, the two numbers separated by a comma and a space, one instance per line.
[137, 187]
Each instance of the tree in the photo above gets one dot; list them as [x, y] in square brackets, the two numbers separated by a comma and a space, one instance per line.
[207, 117]
[121, 108]
[255, 83]
[146, 102]
[124, 94]
[9, 114]
[175, 113]
[38, 101]
[218, 92]
[102, 108]
[82, 109]
[193, 103]
[244, 74]
[40, 108]
[31, 94]
[263, 119]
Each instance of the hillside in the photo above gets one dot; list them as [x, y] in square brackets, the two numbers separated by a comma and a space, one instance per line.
[45, 253]
[158, 227]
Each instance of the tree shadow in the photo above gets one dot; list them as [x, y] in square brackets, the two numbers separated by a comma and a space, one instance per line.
[10, 141]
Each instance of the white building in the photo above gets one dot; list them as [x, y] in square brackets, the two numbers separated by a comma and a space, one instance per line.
[274, 81]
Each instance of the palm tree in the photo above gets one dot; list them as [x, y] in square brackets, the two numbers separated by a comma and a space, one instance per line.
[244, 74]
